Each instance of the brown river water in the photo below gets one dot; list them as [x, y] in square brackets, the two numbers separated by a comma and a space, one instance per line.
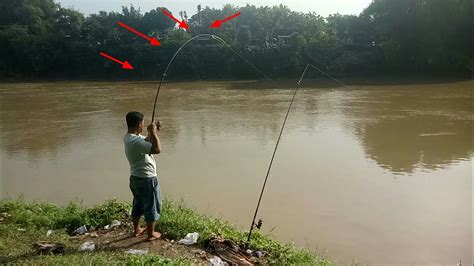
[379, 173]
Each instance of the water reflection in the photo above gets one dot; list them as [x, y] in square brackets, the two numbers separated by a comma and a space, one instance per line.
[424, 127]
[406, 144]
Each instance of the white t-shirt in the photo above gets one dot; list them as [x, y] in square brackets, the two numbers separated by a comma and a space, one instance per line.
[137, 150]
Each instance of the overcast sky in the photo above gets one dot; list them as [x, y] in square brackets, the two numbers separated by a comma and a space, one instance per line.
[322, 7]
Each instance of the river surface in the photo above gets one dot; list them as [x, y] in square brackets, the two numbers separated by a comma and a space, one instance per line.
[377, 173]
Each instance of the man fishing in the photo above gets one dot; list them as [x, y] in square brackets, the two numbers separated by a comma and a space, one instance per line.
[143, 178]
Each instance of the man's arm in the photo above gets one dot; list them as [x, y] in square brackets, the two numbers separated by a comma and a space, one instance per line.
[154, 139]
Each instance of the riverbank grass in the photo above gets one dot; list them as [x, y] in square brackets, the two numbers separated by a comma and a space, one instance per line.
[24, 223]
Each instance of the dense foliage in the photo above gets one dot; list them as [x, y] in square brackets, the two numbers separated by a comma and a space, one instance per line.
[39, 38]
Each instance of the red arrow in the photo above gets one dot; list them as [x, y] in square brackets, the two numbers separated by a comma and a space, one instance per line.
[218, 23]
[153, 41]
[182, 24]
[125, 65]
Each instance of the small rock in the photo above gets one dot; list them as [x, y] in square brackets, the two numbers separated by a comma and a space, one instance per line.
[258, 254]
[50, 232]
[216, 261]
[86, 246]
[80, 231]
[21, 229]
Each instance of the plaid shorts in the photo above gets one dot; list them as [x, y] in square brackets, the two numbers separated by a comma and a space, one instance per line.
[146, 198]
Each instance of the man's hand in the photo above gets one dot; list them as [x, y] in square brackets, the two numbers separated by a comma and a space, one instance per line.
[152, 128]
[153, 137]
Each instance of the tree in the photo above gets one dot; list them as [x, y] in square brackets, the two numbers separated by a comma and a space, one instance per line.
[39, 38]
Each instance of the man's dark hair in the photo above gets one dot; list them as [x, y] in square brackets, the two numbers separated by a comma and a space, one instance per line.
[134, 119]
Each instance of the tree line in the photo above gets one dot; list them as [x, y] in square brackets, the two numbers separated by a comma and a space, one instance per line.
[42, 39]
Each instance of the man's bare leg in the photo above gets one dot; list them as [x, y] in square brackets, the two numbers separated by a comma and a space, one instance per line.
[137, 230]
[150, 229]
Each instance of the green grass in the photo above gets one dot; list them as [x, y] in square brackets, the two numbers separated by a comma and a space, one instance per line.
[175, 222]
[16, 248]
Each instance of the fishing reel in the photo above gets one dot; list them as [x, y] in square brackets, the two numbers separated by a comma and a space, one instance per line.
[258, 224]
[158, 125]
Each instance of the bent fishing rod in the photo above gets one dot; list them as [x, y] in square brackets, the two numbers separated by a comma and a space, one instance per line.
[163, 76]
[218, 39]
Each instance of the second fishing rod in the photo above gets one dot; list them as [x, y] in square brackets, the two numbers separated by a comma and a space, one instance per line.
[298, 85]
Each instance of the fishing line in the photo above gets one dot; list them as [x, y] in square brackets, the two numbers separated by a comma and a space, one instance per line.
[329, 76]
[252, 226]
[344, 60]
[217, 38]
[299, 84]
